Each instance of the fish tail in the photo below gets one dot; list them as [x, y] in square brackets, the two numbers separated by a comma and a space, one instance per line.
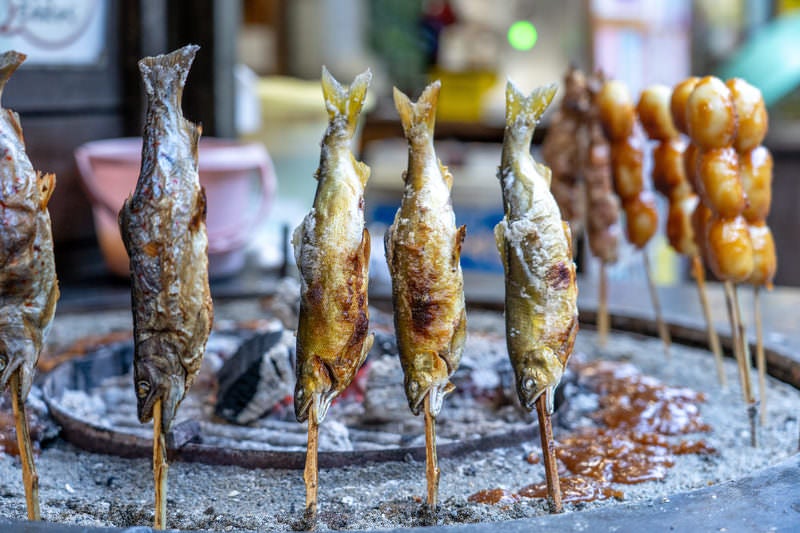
[164, 76]
[531, 108]
[418, 118]
[9, 63]
[347, 102]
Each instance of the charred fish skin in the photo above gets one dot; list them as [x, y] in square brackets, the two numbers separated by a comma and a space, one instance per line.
[28, 284]
[423, 251]
[164, 230]
[535, 245]
[332, 248]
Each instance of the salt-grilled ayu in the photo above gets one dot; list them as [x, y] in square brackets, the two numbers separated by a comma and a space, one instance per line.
[423, 250]
[332, 248]
[535, 245]
[164, 230]
[28, 285]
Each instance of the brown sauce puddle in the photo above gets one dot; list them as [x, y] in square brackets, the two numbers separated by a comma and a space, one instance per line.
[636, 415]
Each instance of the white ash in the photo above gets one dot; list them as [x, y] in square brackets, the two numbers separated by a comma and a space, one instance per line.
[114, 491]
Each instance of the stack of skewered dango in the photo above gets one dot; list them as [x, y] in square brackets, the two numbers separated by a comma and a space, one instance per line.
[717, 183]
[163, 227]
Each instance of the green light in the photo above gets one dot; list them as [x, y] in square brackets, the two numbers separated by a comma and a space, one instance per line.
[522, 35]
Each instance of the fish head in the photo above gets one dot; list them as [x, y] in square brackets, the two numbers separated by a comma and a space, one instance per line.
[535, 375]
[157, 375]
[314, 388]
[17, 352]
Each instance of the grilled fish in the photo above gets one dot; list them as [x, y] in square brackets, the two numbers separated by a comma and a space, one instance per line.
[28, 285]
[163, 225]
[535, 245]
[332, 248]
[423, 250]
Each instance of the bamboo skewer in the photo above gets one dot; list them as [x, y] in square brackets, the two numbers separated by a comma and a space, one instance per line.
[742, 358]
[663, 330]
[761, 360]
[549, 455]
[431, 462]
[311, 472]
[603, 322]
[160, 467]
[30, 478]
[713, 338]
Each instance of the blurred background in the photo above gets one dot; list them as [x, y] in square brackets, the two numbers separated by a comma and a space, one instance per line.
[256, 80]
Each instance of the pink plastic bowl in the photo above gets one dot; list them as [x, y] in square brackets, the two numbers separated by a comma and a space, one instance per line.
[238, 177]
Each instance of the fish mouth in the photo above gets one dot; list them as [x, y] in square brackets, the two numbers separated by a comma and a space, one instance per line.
[10, 365]
[435, 394]
[317, 402]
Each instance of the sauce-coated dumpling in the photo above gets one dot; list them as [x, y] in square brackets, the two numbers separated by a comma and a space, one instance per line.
[720, 187]
[730, 250]
[617, 112]
[677, 103]
[711, 115]
[755, 168]
[654, 113]
[751, 114]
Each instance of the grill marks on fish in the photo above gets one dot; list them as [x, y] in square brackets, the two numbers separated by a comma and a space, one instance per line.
[163, 228]
[423, 249]
[332, 249]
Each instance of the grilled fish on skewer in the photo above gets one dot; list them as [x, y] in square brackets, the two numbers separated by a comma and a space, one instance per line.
[28, 286]
[164, 230]
[423, 250]
[163, 226]
[332, 249]
[535, 244]
[541, 294]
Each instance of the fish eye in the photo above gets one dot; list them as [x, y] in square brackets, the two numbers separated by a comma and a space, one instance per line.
[142, 389]
[414, 386]
[528, 384]
[3, 361]
[299, 393]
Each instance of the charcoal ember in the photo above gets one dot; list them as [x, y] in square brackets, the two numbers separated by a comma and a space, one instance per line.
[384, 397]
[256, 379]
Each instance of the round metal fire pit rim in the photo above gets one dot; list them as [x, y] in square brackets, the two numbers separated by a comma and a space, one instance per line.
[765, 501]
[111, 360]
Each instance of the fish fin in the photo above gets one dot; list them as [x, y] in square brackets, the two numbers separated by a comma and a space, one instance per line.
[343, 101]
[364, 250]
[446, 175]
[529, 108]
[9, 63]
[418, 118]
[388, 245]
[568, 234]
[362, 170]
[47, 182]
[200, 208]
[461, 233]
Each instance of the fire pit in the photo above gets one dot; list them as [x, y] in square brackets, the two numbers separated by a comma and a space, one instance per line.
[363, 491]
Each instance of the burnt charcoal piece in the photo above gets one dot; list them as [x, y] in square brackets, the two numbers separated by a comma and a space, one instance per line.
[257, 378]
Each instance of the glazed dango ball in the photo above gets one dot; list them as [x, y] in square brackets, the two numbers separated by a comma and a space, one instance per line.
[730, 250]
[617, 112]
[751, 114]
[720, 187]
[711, 115]
[642, 219]
[677, 103]
[669, 177]
[679, 225]
[755, 168]
[764, 260]
[690, 157]
[701, 219]
[654, 113]
[627, 165]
